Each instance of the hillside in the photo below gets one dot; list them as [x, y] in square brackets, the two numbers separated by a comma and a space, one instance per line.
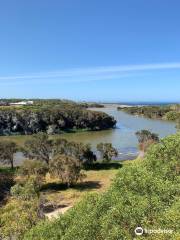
[145, 193]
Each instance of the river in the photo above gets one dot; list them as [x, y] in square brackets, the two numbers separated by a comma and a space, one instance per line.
[123, 136]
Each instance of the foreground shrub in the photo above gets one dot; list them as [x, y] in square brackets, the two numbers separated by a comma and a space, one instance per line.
[145, 193]
[17, 217]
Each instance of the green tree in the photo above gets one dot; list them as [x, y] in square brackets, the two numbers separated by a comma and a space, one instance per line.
[107, 151]
[39, 147]
[172, 115]
[7, 151]
[78, 150]
[145, 139]
[67, 168]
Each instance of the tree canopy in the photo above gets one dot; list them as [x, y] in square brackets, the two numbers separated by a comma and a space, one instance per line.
[146, 138]
[52, 117]
[7, 151]
[107, 151]
[39, 147]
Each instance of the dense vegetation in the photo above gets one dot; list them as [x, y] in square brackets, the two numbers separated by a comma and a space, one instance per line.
[147, 111]
[167, 112]
[51, 116]
[145, 193]
[60, 159]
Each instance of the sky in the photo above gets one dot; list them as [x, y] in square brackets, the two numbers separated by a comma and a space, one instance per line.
[97, 50]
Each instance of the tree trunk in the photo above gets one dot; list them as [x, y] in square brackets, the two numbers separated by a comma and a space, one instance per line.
[12, 164]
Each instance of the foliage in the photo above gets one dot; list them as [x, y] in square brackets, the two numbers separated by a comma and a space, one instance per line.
[30, 180]
[145, 135]
[51, 116]
[172, 115]
[24, 209]
[144, 193]
[7, 151]
[39, 147]
[78, 150]
[146, 138]
[147, 111]
[21, 212]
[33, 167]
[95, 105]
[67, 168]
[16, 217]
[27, 190]
[107, 151]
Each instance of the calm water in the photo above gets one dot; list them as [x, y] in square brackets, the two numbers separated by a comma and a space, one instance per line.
[123, 136]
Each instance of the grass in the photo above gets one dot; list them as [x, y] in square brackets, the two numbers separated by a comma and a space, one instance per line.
[97, 180]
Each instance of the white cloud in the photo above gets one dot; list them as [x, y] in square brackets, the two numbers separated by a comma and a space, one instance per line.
[92, 73]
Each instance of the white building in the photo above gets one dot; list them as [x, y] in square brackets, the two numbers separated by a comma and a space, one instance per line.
[22, 103]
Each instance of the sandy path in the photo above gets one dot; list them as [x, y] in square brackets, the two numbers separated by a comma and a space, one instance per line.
[57, 212]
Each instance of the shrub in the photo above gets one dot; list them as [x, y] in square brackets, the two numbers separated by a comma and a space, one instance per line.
[145, 193]
[33, 167]
[17, 217]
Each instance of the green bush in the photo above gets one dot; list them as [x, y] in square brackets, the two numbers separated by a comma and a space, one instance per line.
[18, 216]
[144, 193]
[172, 115]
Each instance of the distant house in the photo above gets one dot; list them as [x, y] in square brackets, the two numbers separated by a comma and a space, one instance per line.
[22, 103]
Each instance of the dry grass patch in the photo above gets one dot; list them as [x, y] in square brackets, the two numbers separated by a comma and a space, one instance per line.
[95, 181]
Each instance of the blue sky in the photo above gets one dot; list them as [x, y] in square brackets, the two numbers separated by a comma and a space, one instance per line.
[90, 50]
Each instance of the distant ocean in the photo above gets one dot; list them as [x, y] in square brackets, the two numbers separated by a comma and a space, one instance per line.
[143, 103]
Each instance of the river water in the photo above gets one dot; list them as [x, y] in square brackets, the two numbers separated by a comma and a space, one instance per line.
[123, 136]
